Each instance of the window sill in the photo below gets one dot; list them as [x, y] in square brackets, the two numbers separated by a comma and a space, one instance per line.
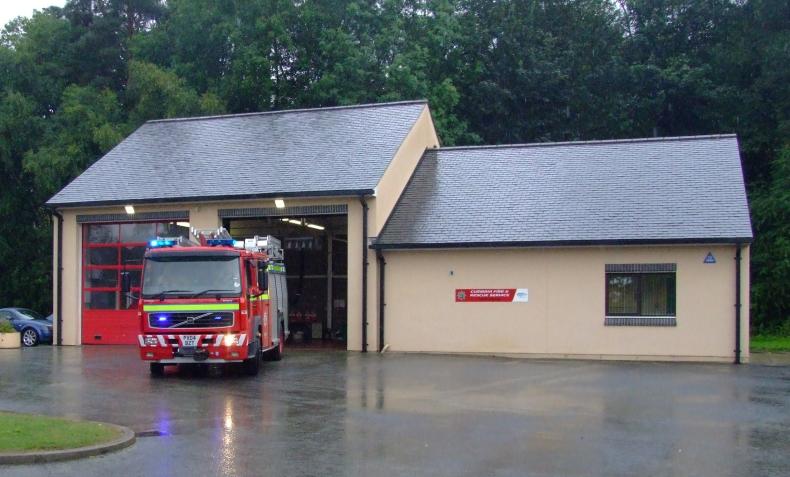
[660, 321]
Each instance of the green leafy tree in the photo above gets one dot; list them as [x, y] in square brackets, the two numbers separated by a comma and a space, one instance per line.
[24, 244]
[771, 256]
[154, 93]
[88, 123]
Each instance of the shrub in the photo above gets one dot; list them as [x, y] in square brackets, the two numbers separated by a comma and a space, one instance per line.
[6, 327]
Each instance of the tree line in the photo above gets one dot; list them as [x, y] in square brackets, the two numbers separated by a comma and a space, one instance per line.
[74, 81]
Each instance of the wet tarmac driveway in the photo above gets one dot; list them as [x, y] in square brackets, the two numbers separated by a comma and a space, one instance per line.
[334, 413]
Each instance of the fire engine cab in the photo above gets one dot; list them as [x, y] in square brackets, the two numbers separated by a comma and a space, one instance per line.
[216, 301]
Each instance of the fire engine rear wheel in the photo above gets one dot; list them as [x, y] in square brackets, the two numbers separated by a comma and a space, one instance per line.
[157, 369]
[276, 353]
[253, 365]
[279, 351]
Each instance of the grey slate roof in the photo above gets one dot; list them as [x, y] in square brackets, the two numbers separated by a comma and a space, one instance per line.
[328, 151]
[632, 191]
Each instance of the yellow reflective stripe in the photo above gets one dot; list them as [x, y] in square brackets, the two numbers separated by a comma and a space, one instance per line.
[193, 307]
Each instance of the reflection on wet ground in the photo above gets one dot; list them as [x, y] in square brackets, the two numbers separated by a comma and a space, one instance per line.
[322, 413]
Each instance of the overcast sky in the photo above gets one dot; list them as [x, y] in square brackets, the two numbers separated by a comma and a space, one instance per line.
[10, 9]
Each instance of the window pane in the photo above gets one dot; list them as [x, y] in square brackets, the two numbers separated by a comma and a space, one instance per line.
[134, 278]
[101, 256]
[658, 294]
[262, 277]
[102, 233]
[622, 294]
[101, 278]
[128, 301]
[132, 255]
[137, 232]
[100, 300]
[186, 275]
[249, 273]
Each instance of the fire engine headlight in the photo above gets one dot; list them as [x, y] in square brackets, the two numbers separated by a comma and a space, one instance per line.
[150, 341]
[229, 340]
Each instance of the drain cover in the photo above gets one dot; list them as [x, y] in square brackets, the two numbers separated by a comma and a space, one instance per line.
[149, 433]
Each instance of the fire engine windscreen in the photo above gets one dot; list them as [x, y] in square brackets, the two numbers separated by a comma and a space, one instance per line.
[190, 276]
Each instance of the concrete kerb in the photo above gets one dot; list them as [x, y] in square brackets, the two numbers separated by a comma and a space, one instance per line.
[126, 439]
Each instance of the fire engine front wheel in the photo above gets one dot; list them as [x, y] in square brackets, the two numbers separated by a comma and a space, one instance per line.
[253, 365]
[157, 369]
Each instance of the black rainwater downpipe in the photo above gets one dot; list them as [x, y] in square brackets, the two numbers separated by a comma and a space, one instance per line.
[364, 273]
[738, 304]
[382, 303]
[59, 277]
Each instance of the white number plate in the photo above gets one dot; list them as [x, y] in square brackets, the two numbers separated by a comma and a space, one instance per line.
[189, 341]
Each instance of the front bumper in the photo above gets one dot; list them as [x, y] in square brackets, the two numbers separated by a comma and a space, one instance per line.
[170, 349]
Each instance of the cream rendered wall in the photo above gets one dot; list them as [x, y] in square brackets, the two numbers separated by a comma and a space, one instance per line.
[202, 215]
[422, 136]
[565, 313]
[72, 258]
[354, 274]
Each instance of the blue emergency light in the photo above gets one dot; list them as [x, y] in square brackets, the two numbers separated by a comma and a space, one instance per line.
[216, 242]
[157, 243]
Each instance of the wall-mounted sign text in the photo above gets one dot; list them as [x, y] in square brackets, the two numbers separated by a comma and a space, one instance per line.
[472, 295]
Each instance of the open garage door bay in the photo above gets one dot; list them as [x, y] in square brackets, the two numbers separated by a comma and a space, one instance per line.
[316, 258]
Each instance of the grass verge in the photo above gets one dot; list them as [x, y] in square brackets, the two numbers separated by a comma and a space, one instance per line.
[772, 343]
[30, 432]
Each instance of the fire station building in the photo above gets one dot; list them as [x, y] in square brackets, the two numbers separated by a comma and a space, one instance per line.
[622, 249]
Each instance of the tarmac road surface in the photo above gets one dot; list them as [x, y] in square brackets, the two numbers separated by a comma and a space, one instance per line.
[325, 413]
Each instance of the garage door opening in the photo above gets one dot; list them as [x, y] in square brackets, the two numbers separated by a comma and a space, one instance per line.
[316, 251]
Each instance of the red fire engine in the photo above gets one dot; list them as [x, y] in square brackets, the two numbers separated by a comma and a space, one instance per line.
[217, 301]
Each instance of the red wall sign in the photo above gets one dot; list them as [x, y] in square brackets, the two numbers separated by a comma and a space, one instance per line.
[470, 295]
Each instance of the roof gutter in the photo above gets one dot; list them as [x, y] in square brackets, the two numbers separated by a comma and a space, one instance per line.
[738, 249]
[364, 203]
[382, 303]
[561, 243]
[214, 198]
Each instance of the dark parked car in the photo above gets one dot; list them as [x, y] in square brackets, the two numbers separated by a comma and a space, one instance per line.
[33, 326]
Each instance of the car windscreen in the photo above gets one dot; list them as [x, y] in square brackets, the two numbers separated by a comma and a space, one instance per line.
[188, 276]
[33, 315]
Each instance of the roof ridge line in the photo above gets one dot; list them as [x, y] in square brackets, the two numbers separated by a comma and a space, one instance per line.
[285, 111]
[587, 143]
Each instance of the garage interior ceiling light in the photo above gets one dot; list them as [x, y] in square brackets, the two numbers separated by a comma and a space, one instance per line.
[129, 209]
[303, 224]
[279, 203]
